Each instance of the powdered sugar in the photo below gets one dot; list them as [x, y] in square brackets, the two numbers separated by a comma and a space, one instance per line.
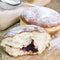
[41, 16]
[20, 29]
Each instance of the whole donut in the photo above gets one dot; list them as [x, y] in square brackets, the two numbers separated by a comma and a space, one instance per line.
[25, 40]
[42, 16]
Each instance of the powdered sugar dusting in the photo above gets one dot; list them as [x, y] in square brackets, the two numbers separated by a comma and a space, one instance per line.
[20, 29]
[41, 16]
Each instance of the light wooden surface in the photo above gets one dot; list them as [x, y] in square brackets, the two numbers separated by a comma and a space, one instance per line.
[38, 2]
[54, 4]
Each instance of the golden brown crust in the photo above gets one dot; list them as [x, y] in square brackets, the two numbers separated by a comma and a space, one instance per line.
[53, 30]
[35, 15]
[34, 22]
[50, 30]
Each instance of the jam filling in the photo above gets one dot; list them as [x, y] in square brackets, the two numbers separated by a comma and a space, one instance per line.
[30, 47]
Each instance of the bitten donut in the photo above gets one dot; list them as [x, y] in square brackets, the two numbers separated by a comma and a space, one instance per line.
[42, 16]
[24, 40]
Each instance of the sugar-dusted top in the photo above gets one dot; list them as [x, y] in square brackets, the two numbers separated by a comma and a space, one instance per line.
[21, 29]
